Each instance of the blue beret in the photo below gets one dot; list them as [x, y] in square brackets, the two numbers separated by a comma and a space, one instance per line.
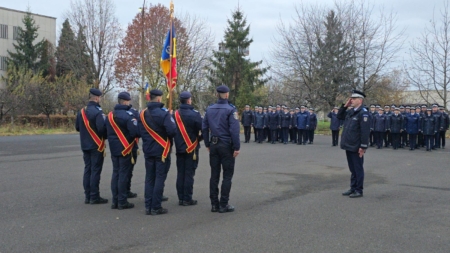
[185, 95]
[95, 92]
[124, 95]
[222, 89]
[156, 92]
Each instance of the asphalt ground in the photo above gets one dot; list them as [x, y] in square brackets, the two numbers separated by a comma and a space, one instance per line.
[287, 198]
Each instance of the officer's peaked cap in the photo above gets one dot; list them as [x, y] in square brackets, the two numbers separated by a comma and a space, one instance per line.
[156, 92]
[185, 95]
[222, 89]
[95, 92]
[358, 94]
[124, 95]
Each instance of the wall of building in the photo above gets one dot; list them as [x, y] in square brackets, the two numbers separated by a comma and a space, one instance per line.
[13, 18]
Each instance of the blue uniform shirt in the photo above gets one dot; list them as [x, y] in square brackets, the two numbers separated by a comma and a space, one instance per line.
[127, 123]
[96, 120]
[222, 120]
[192, 121]
[162, 123]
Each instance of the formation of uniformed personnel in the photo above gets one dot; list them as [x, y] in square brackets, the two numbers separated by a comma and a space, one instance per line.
[221, 135]
[355, 140]
[157, 128]
[189, 126]
[90, 123]
[122, 130]
[247, 123]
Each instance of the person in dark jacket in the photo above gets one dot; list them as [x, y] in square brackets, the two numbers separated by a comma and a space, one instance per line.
[302, 125]
[387, 134]
[429, 128]
[90, 123]
[187, 138]
[335, 126]
[412, 127]
[274, 122]
[122, 129]
[355, 140]
[373, 112]
[396, 127]
[157, 129]
[247, 122]
[440, 124]
[420, 137]
[285, 124]
[445, 126]
[293, 129]
[259, 124]
[312, 125]
[266, 131]
[380, 125]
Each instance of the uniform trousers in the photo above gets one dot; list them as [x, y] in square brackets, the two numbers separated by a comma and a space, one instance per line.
[93, 164]
[442, 138]
[260, 134]
[221, 158]
[247, 133]
[437, 140]
[429, 141]
[293, 135]
[130, 174]
[255, 132]
[155, 177]
[371, 138]
[412, 141]
[285, 134]
[396, 140]
[267, 134]
[186, 166]
[404, 138]
[335, 137]
[302, 136]
[420, 140]
[387, 138]
[355, 164]
[119, 180]
[379, 136]
[311, 135]
[273, 135]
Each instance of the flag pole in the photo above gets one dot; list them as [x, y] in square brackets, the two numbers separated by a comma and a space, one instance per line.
[171, 55]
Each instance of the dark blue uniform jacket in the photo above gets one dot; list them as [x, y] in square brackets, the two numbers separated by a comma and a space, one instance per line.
[259, 120]
[285, 119]
[162, 123]
[429, 125]
[96, 119]
[222, 120]
[356, 128]
[273, 120]
[412, 123]
[396, 123]
[303, 120]
[380, 123]
[127, 123]
[312, 121]
[247, 118]
[192, 121]
[335, 123]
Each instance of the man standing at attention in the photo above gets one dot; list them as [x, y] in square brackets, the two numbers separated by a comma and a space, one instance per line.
[223, 145]
[355, 140]
[91, 125]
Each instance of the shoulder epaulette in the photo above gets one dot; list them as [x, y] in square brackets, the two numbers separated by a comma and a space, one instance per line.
[364, 109]
[232, 105]
[194, 110]
[130, 113]
[99, 108]
[164, 109]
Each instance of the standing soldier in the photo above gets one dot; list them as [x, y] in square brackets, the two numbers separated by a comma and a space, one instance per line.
[429, 128]
[373, 111]
[91, 125]
[312, 125]
[247, 122]
[396, 127]
[380, 125]
[355, 140]
[285, 125]
[335, 125]
[440, 125]
[222, 120]
[446, 123]
[273, 120]
[255, 133]
[412, 127]
[387, 135]
[302, 125]
[421, 137]
[260, 124]
[279, 112]
[121, 126]
[293, 129]
[405, 113]
[157, 129]
[266, 127]
[189, 125]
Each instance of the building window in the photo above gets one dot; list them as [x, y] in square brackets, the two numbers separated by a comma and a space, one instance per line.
[4, 31]
[15, 32]
[3, 63]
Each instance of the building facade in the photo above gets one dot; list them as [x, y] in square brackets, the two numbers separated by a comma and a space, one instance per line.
[10, 20]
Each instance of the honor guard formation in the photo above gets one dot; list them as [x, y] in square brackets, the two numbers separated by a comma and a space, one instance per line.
[159, 130]
[389, 126]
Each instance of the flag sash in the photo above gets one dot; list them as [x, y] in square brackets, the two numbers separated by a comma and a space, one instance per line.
[164, 143]
[127, 146]
[99, 141]
[190, 145]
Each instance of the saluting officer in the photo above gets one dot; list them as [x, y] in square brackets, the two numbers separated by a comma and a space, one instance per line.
[121, 126]
[247, 122]
[157, 128]
[90, 123]
[355, 140]
[222, 120]
[189, 125]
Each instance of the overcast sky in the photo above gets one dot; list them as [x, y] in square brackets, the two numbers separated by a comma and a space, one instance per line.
[262, 15]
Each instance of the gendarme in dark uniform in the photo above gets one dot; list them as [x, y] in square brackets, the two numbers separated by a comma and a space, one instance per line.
[91, 125]
[121, 126]
[187, 138]
[221, 120]
[355, 140]
[157, 128]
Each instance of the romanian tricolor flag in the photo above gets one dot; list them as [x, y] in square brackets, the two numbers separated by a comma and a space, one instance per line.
[147, 92]
[165, 59]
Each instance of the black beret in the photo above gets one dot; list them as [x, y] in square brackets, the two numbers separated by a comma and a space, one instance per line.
[124, 95]
[156, 92]
[95, 92]
[222, 89]
[185, 95]
[358, 94]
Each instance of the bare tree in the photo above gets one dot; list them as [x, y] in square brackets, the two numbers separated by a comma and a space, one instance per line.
[429, 65]
[101, 31]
